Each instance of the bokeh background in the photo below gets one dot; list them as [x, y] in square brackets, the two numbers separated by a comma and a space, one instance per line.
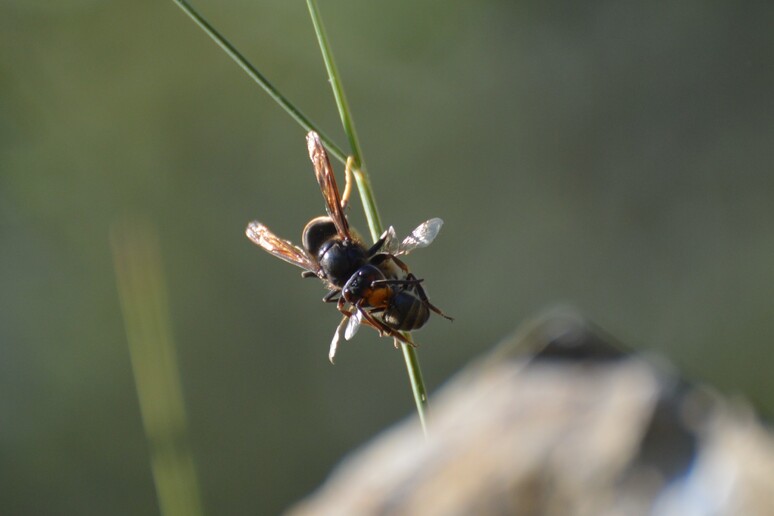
[613, 155]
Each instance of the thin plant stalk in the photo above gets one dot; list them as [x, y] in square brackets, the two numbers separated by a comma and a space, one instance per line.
[359, 170]
[260, 79]
[143, 296]
[367, 196]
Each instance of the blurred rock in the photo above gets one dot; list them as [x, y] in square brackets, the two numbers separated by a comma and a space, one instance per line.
[559, 420]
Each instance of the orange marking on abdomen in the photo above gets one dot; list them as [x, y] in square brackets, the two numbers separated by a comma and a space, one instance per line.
[379, 297]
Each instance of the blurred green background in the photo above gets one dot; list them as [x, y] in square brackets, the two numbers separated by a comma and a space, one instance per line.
[613, 155]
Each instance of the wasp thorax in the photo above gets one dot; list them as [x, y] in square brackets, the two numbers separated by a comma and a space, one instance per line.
[338, 259]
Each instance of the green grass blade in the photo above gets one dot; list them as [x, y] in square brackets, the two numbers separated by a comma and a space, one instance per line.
[367, 197]
[143, 296]
[359, 170]
[260, 79]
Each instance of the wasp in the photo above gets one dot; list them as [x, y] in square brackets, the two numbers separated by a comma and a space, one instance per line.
[368, 283]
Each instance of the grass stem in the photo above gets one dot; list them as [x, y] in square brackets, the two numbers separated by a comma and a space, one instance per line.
[260, 79]
[367, 196]
[359, 170]
[143, 296]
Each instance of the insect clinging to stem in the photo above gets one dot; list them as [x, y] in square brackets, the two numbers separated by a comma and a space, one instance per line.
[369, 284]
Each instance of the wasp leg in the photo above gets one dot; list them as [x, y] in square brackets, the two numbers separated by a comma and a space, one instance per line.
[383, 329]
[402, 265]
[376, 257]
[330, 297]
[348, 182]
[373, 252]
[308, 274]
[350, 312]
[340, 302]
[371, 321]
[423, 296]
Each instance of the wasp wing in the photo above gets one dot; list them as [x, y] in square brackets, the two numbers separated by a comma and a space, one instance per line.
[336, 339]
[391, 244]
[281, 248]
[354, 324]
[422, 236]
[327, 181]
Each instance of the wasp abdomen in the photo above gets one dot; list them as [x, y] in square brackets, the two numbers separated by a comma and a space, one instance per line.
[406, 312]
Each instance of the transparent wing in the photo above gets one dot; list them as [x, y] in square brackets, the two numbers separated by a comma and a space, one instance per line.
[327, 181]
[391, 244]
[354, 324]
[283, 249]
[422, 236]
[336, 339]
